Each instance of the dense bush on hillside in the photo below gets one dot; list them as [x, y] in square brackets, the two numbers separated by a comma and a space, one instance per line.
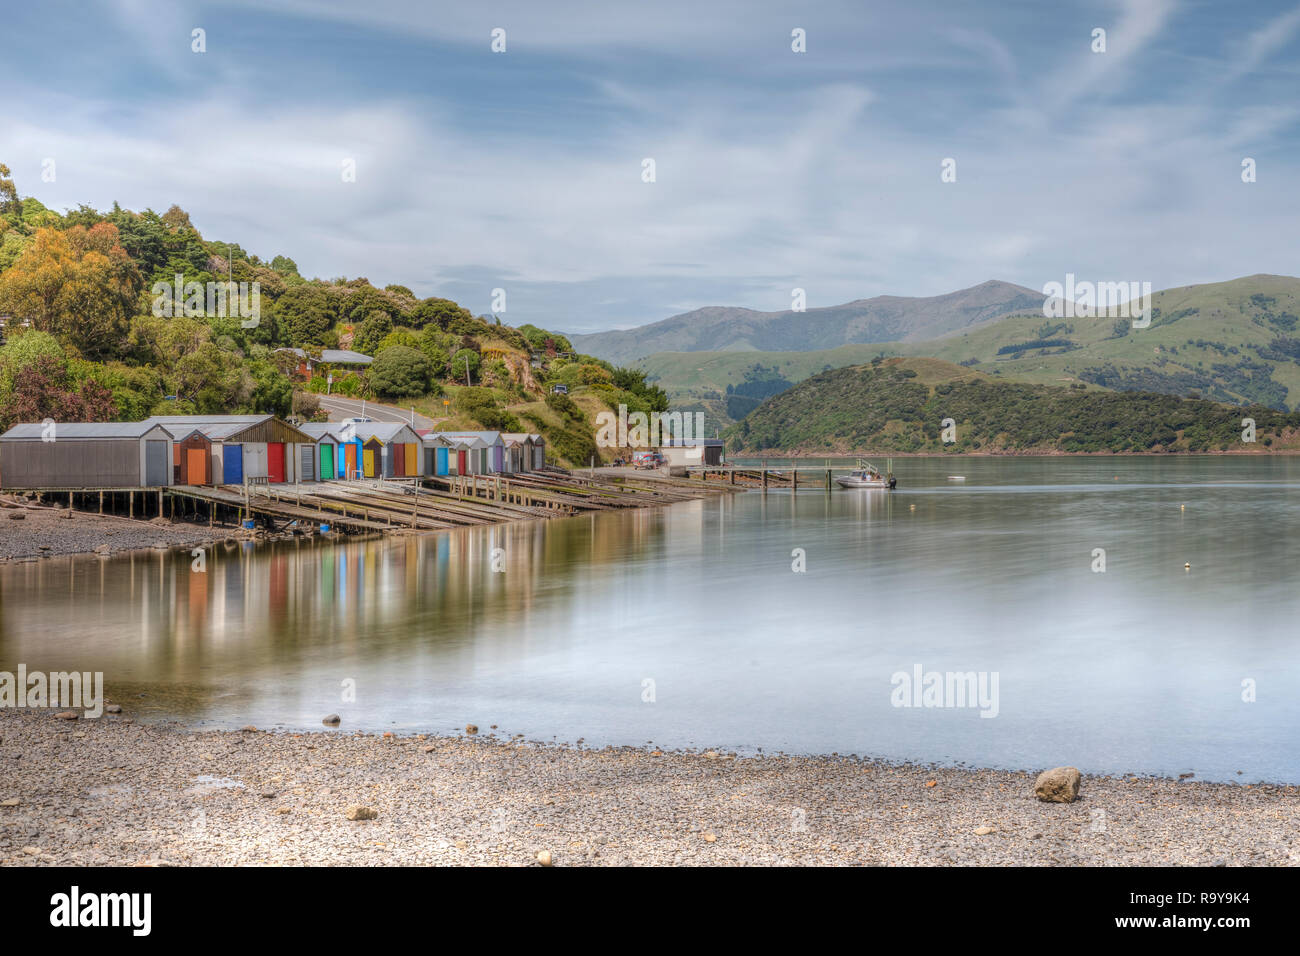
[99, 287]
[882, 409]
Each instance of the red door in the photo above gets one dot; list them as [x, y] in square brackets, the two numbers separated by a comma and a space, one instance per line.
[275, 461]
[460, 462]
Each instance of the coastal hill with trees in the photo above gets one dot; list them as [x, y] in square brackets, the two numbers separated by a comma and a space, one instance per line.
[899, 405]
[83, 340]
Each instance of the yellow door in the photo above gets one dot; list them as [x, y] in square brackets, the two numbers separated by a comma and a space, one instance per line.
[412, 458]
[369, 462]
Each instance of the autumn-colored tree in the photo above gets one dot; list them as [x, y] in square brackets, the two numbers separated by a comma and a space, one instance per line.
[44, 389]
[78, 284]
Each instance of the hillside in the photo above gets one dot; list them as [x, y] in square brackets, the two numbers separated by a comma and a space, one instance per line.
[1236, 342]
[898, 406]
[95, 329]
[885, 318]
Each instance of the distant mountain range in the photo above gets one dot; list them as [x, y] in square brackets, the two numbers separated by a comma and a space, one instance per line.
[885, 318]
[1236, 342]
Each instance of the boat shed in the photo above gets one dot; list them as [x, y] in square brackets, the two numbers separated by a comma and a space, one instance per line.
[246, 446]
[440, 456]
[326, 454]
[691, 452]
[529, 452]
[389, 449]
[487, 447]
[86, 455]
[192, 459]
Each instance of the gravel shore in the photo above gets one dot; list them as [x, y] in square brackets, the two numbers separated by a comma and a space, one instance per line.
[113, 791]
[49, 531]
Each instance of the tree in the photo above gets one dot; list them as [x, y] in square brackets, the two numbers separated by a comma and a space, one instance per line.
[442, 313]
[401, 372]
[434, 346]
[9, 201]
[305, 313]
[372, 331]
[284, 265]
[464, 365]
[79, 285]
[44, 389]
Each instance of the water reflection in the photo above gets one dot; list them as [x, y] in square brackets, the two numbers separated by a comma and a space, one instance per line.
[1139, 668]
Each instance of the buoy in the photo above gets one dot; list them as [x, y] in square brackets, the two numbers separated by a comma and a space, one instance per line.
[1182, 507]
[1187, 567]
[911, 507]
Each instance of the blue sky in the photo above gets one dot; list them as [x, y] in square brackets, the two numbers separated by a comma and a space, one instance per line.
[820, 170]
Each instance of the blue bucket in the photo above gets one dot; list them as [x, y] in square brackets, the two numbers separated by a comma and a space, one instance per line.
[324, 529]
[249, 524]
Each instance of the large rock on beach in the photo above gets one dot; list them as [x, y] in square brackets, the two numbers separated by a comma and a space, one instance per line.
[1058, 785]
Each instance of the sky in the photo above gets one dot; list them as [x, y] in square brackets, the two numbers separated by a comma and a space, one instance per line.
[524, 170]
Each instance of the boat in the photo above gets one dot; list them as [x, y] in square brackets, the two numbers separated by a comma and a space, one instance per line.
[867, 475]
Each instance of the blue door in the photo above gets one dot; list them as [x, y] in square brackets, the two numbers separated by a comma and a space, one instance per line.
[232, 470]
[442, 461]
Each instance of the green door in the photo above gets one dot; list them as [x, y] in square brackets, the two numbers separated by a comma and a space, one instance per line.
[326, 462]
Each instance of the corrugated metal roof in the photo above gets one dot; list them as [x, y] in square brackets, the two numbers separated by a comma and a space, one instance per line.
[384, 431]
[84, 430]
[217, 427]
[319, 430]
[336, 356]
[490, 438]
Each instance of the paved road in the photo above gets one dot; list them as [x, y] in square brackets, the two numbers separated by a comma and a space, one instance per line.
[340, 408]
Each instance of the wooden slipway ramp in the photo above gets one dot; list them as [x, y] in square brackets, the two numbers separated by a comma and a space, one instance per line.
[443, 503]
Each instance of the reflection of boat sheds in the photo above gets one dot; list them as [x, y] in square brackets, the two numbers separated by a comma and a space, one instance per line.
[237, 447]
[86, 455]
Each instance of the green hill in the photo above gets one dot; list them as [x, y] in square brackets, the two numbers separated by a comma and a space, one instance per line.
[92, 329]
[1236, 342]
[899, 406]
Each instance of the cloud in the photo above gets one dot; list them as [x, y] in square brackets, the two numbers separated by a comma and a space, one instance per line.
[772, 171]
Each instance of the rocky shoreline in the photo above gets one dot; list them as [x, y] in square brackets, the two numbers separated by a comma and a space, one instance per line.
[44, 531]
[114, 791]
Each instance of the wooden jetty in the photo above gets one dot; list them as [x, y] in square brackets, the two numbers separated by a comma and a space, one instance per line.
[368, 506]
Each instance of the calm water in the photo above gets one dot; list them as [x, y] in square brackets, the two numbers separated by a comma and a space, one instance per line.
[1140, 668]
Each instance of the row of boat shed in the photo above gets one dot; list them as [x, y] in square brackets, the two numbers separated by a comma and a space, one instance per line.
[231, 449]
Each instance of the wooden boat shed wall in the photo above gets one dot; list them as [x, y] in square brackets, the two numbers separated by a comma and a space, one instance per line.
[193, 459]
[326, 453]
[529, 451]
[86, 455]
[396, 449]
[487, 452]
[440, 456]
[246, 446]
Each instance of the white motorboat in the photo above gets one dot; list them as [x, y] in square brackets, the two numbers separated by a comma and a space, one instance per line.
[866, 475]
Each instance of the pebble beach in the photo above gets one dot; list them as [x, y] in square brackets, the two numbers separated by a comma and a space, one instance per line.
[114, 791]
[43, 531]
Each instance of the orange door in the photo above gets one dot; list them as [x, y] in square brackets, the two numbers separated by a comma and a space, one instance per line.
[196, 460]
[350, 457]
